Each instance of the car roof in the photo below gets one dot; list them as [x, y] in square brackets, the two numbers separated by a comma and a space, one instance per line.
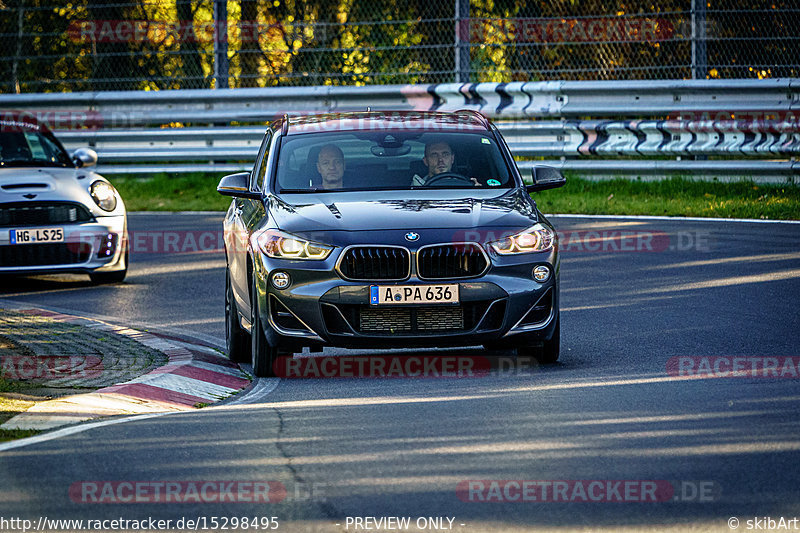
[466, 120]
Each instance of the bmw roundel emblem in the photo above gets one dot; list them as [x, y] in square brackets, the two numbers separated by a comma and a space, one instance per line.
[412, 236]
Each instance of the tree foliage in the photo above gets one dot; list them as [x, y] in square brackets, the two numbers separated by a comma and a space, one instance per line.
[82, 45]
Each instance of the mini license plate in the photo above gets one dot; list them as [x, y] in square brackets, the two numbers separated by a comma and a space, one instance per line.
[413, 294]
[32, 236]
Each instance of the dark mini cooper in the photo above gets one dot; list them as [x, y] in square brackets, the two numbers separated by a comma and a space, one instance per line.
[388, 230]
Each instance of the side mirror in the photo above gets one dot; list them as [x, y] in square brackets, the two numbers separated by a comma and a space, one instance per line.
[237, 185]
[545, 178]
[84, 157]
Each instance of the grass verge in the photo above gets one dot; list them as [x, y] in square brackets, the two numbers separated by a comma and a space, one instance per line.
[10, 407]
[178, 192]
[672, 197]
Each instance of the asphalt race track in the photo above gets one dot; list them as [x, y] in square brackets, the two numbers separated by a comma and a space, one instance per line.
[613, 413]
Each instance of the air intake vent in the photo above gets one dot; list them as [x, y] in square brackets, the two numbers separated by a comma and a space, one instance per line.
[18, 186]
[22, 214]
[440, 318]
[282, 317]
[32, 255]
[539, 312]
[375, 262]
[451, 261]
[417, 320]
[386, 320]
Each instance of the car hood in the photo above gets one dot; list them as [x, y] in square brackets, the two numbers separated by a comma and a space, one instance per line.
[382, 210]
[45, 184]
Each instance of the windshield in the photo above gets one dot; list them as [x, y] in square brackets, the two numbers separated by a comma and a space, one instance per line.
[363, 160]
[31, 147]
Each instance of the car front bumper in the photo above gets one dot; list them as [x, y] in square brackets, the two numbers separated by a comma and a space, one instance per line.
[97, 246]
[505, 307]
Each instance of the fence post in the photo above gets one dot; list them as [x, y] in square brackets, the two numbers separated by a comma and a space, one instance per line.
[18, 52]
[221, 44]
[462, 33]
[699, 51]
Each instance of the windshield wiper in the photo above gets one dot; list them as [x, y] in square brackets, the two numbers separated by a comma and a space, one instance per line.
[312, 189]
[429, 188]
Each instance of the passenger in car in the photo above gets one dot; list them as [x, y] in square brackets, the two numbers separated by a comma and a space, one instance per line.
[330, 165]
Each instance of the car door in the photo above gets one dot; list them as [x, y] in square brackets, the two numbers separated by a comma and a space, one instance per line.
[240, 219]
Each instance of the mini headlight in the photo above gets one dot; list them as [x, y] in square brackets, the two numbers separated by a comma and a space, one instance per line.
[537, 238]
[280, 245]
[104, 195]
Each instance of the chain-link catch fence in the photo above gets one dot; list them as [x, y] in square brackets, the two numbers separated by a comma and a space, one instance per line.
[98, 45]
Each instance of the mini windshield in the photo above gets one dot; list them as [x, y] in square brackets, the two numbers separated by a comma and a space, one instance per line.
[21, 147]
[364, 160]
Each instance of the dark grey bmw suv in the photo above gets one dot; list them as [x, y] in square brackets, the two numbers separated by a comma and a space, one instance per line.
[388, 229]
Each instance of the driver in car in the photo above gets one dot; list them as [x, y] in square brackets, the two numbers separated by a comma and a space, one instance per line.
[330, 165]
[439, 159]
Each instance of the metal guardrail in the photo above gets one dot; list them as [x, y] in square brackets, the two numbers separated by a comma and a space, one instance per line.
[497, 100]
[179, 131]
[529, 139]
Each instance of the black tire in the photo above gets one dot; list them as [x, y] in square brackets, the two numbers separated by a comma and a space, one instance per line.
[237, 339]
[103, 278]
[262, 354]
[548, 353]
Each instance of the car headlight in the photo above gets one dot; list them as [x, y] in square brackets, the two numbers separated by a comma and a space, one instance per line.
[104, 195]
[281, 245]
[537, 238]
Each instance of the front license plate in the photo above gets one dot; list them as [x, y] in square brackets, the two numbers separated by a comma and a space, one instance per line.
[413, 294]
[32, 236]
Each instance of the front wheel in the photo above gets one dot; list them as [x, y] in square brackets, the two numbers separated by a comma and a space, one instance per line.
[103, 278]
[237, 341]
[262, 354]
[548, 353]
